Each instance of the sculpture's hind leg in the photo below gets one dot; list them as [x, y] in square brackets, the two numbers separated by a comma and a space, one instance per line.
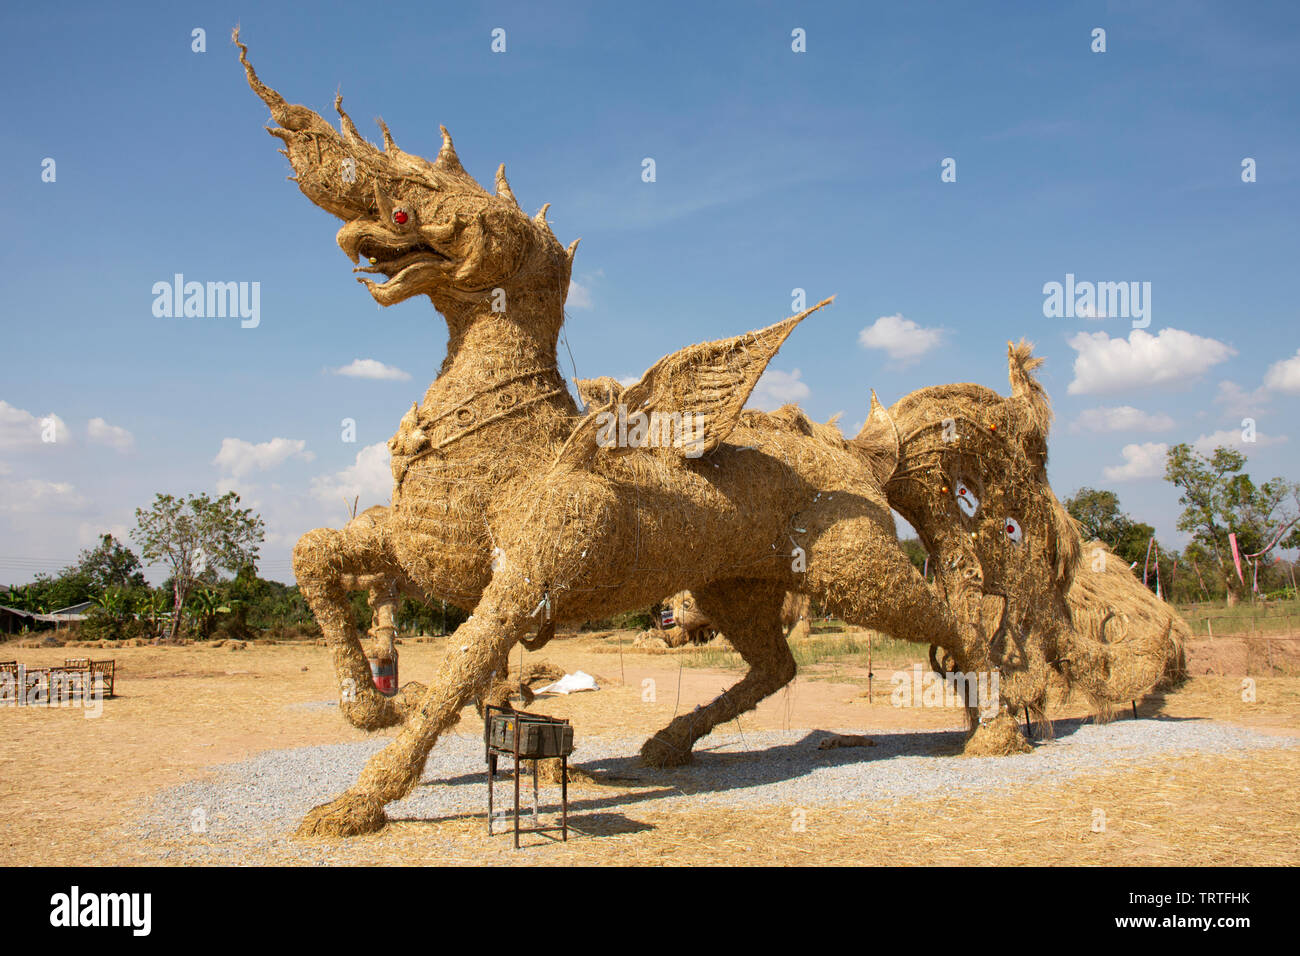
[324, 560]
[480, 648]
[749, 614]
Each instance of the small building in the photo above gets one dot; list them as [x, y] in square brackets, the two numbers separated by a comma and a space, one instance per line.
[13, 620]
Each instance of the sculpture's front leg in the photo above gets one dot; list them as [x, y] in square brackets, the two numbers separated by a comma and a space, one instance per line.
[479, 648]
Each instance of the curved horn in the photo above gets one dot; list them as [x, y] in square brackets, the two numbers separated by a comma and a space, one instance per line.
[279, 108]
[447, 159]
[350, 133]
[503, 187]
[389, 145]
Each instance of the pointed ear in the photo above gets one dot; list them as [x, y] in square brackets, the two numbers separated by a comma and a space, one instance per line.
[878, 442]
[1026, 390]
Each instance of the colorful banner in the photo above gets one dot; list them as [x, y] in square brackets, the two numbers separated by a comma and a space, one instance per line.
[1236, 555]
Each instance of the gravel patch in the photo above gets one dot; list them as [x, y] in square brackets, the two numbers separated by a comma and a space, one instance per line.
[262, 799]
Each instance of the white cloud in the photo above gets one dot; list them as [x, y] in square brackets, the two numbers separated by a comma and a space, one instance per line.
[370, 478]
[1146, 460]
[1233, 438]
[627, 381]
[1107, 365]
[777, 388]
[101, 432]
[1235, 400]
[372, 368]
[89, 533]
[22, 429]
[1284, 376]
[32, 495]
[901, 338]
[579, 296]
[1121, 418]
[238, 457]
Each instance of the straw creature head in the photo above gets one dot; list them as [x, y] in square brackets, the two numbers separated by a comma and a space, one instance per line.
[427, 227]
[972, 480]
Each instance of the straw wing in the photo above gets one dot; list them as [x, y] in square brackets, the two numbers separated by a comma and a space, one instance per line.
[711, 381]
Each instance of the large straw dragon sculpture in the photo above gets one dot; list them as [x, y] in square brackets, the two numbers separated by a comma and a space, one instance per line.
[506, 501]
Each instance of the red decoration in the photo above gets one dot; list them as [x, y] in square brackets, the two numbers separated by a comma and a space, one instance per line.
[400, 217]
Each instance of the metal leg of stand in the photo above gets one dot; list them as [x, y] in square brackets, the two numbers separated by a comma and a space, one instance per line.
[537, 817]
[492, 766]
[516, 800]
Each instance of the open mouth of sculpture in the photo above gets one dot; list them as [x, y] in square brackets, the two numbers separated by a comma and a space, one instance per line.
[393, 262]
[408, 265]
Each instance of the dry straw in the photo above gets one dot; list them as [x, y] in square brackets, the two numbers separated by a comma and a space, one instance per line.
[507, 501]
[972, 480]
[691, 625]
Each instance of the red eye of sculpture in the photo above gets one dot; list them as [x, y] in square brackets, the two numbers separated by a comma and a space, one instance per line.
[1013, 530]
[400, 216]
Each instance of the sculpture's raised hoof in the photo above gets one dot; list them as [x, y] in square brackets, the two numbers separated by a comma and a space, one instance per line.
[408, 698]
[347, 816]
[373, 711]
[663, 751]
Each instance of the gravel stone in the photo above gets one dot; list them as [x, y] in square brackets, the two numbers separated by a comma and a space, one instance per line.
[264, 798]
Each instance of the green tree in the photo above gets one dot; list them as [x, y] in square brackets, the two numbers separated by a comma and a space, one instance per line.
[1100, 518]
[195, 535]
[204, 606]
[915, 552]
[1219, 498]
[151, 607]
[111, 564]
[1098, 514]
[111, 615]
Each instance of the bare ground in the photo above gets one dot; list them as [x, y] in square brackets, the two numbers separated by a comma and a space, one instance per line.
[72, 786]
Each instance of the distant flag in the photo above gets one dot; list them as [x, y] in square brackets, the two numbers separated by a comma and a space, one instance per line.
[1236, 555]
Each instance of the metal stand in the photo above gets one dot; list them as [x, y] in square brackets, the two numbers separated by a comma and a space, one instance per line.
[493, 752]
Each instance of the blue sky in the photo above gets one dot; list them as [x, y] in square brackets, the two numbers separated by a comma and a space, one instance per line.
[775, 170]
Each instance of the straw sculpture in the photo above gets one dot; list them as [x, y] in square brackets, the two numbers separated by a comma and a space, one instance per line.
[691, 625]
[509, 501]
[971, 479]
[1111, 606]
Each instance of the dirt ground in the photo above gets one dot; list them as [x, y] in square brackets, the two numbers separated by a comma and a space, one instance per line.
[68, 784]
